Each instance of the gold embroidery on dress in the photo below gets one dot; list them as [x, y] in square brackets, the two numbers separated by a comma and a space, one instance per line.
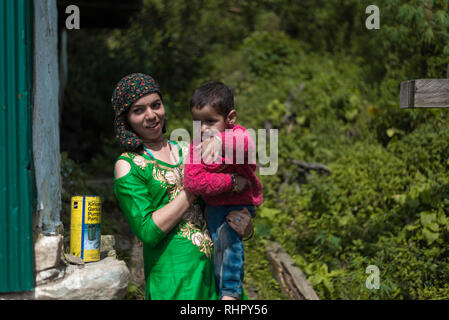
[125, 155]
[171, 179]
[193, 226]
[199, 238]
[157, 174]
[140, 161]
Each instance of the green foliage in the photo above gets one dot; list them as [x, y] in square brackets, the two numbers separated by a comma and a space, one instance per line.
[384, 203]
[259, 282]
[135, 292]
[269, 53]
[331, 87]
[324, 25]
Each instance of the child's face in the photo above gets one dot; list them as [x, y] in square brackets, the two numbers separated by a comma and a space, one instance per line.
[211, 120]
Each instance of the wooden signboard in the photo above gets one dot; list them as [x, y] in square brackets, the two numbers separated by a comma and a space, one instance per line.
[425, 93]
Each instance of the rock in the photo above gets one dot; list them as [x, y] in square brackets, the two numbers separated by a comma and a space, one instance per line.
[103, 280]
[107, 243]
[29, 295]
[48, 275]
[47, 250]
[112, 253]
[70, 258]
[107, 246]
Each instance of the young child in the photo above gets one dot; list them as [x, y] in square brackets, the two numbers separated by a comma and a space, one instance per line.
[224, 178]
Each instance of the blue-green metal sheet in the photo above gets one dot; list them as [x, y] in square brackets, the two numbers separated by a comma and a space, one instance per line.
[17, 190]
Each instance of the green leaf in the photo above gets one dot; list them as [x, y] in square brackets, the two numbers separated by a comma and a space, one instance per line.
[269, 213]
[442, 219]
[400, 198]
[429, 235]
[425, 196]
[433, 227]
[411, 227]
[428, 218]
[301, 120]
[390, 132]
[351, 114]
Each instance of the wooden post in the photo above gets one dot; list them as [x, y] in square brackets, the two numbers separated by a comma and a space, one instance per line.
[293, 283]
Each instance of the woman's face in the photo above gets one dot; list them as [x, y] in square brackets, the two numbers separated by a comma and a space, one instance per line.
[146, 117]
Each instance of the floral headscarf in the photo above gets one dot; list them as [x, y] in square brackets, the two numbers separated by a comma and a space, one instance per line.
[130, 89]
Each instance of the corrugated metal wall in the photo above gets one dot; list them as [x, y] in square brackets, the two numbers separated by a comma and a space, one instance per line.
[16, 180]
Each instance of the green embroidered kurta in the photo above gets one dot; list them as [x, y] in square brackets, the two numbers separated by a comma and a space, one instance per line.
[177, 265]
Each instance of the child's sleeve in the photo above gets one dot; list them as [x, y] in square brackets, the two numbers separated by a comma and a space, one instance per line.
[239, 146]
[199, 181]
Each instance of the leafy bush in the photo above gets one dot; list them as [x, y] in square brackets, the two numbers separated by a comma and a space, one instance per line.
[311, 70]
[384, 203]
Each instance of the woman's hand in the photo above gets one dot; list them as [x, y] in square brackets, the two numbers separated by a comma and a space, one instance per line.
[172, 213]
[241, 222]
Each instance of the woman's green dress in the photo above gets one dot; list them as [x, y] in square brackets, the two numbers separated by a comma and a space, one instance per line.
[177, 265]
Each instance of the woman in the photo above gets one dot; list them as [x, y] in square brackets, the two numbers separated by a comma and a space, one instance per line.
[177, 248]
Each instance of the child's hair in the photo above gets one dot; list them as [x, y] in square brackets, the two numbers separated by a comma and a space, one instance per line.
[216, 94]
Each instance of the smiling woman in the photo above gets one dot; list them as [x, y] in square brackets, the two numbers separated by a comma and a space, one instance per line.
[146, 115]
[149, 187]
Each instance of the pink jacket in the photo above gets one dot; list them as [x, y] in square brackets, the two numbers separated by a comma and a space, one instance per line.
[213, 181]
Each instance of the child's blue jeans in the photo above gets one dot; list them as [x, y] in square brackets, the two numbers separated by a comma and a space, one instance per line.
[228, 250]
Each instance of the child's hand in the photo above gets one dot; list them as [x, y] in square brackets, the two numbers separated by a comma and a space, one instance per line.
[242, 183]
[211, 149]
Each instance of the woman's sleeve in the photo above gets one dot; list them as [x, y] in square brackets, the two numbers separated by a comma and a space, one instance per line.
[199, 181]
[136, 203]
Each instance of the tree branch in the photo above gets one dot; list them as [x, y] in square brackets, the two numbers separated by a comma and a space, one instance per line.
[306, 167]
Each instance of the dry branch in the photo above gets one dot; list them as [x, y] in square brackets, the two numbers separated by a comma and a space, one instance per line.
[304, 166]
